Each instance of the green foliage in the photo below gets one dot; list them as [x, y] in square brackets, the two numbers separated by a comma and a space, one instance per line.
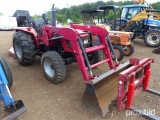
[118, 14]
[73, 12]
[35, 16]
[61, 18]
[156, 5]
[110, 16]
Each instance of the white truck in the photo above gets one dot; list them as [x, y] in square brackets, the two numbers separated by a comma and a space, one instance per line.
[7, 23]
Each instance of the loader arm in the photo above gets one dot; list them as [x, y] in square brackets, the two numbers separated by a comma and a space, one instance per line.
[73, 36]
[154, 13]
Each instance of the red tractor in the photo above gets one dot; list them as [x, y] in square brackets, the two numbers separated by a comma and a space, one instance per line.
[86, 45]
[59, 46]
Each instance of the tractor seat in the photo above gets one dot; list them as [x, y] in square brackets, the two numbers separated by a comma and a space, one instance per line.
[37, 24]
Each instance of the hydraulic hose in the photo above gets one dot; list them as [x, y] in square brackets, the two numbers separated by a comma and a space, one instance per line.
[111, 48]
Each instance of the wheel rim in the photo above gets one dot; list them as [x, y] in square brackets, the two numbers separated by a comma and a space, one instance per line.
[153, 38]
[127, 50]
[18, 49]
[49, 68]
[117, 53]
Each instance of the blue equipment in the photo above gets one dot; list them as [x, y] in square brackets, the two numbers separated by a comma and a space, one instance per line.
[12, 108]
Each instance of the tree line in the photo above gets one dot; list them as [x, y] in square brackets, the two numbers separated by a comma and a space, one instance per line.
[73, 12]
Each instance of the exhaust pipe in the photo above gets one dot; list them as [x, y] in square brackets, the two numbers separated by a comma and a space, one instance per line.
[53, 16]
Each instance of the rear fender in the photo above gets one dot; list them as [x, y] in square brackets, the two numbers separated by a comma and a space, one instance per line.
[30, 31]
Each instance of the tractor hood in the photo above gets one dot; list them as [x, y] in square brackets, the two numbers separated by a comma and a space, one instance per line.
[152, 23]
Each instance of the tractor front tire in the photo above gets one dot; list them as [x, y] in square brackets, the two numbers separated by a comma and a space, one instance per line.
[24, 48]
[128, 50]
[152, 38]
[95, 57]
[53, 67]
[7, 71]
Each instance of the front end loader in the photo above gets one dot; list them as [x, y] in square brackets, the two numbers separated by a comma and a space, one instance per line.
[59, 46]
[12, 109]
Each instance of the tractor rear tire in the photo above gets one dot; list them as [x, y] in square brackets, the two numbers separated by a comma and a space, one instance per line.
[152, 38]
[7, 71]
[119, 53]
[128, 50]
[24, 47]
[53, 67]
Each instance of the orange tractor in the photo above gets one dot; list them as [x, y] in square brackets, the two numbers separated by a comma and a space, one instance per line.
[118, 38]
[59, 46]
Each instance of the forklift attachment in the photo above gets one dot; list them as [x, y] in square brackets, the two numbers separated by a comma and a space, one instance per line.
[128, 79]
[131, 82]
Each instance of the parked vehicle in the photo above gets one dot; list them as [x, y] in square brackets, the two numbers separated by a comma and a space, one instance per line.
[7, 23]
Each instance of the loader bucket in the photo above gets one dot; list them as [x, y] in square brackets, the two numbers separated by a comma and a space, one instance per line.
[13, 111]
[100, 93]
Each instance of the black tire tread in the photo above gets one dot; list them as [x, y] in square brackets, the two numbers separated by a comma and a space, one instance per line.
[121, 52]
[28, 47]
[146, 35]
[132, 50]
[58, 64]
